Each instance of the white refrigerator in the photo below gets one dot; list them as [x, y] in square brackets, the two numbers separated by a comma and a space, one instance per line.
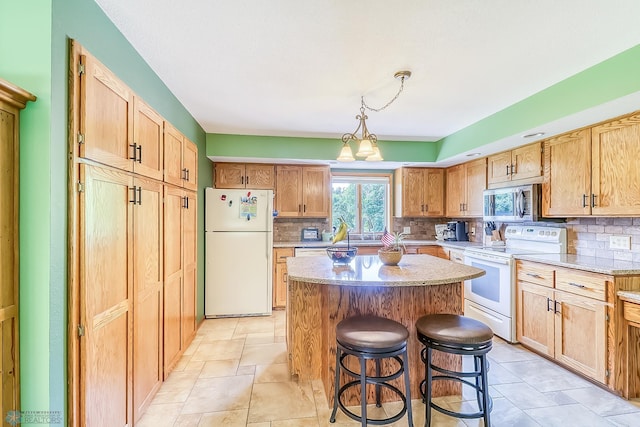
[238, 252]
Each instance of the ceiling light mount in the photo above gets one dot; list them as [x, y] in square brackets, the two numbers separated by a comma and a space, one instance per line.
[367, 142]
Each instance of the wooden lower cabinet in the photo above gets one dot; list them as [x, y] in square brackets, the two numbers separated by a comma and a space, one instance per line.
[280, 256]
[564, 314]
[180, 276]
[433, 250]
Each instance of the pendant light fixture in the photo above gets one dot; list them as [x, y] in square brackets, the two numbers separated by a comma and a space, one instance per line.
[367, 142]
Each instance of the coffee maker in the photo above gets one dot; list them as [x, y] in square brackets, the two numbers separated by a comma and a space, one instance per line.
[456, 231]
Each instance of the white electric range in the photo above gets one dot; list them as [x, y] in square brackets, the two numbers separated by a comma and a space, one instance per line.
[491, 298]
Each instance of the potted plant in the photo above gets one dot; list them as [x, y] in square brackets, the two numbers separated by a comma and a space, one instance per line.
[392, 249]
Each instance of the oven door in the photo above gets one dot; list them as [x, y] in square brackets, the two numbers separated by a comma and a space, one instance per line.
[493, 290]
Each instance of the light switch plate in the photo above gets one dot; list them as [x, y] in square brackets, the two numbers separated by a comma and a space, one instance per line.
[620, 242]
[406, 230]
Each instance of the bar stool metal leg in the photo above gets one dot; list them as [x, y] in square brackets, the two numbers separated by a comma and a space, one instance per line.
[363, 391]
[336, 383]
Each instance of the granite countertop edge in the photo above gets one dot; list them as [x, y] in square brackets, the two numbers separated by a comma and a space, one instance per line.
[586, 263]
[631, 296]
[337, 282]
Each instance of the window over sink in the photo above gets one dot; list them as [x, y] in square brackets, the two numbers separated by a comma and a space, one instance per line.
[363, 200]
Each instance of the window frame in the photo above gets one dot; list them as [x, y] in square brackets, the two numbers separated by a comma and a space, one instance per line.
[363, 177]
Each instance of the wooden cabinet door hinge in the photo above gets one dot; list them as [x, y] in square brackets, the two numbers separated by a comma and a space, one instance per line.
[80, 187]
[80, 138]
[80, 69]
[80, 330]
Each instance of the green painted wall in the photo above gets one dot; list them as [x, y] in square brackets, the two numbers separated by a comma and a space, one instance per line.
[606, 81]
[311, 148]
[26, 61]
[36, 58]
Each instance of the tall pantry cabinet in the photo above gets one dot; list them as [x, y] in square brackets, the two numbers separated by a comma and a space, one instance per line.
[122, 234]
[12, 100]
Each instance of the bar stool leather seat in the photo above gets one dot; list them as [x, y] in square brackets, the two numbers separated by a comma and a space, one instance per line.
[455, 334]
[371, 338]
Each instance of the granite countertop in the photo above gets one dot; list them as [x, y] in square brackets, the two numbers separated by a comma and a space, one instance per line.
[631, 296]
[321, 244]
[367, 270]
[586, 263]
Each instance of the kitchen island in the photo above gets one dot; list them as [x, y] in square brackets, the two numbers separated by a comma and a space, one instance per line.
[321, 294]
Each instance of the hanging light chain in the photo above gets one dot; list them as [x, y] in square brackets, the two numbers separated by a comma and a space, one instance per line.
[364, 104]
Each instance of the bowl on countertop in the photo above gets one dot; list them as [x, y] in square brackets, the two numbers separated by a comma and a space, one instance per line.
[341, 255]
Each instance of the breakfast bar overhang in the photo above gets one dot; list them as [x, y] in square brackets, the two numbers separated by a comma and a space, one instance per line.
[320, 294]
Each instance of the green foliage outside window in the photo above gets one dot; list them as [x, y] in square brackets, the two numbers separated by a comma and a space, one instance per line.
[363, 204]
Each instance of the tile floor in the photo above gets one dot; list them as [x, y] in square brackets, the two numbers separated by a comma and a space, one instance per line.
[235, 374]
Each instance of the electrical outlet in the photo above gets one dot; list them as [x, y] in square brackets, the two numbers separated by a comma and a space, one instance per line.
[406, 230]
[620, 242]
[473, 231]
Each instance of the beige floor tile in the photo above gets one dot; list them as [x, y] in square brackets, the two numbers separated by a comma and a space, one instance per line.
[265, 424]
[219, 350]
[274, 373]
[160, 415]
[298, 422]
[187, 420]
[260, 338]
[264, 354]
[237, 418]
[219, 394]
[219, 368]
[278, 401]
[246, 370]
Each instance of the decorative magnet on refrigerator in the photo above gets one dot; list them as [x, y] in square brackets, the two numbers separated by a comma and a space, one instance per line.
[248, 207]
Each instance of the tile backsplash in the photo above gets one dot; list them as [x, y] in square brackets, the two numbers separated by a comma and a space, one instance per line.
[585, 236]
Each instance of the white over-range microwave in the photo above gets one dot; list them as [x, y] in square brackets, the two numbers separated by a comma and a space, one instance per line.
[512, 204]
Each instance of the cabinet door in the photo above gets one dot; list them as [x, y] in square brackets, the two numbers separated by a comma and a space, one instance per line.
[429, 250]
[189, 267]
[189, 165]
[261, 177]
[173, 173]
[526, 162]
[106, 296]
[229, 175]
[173, 280]
[289, 191]
[280, 256]
[147, 286]
[476, 183]
[580, 333]
[455, 190]
[434, 192]
[499, 167]
[148, 140]
[615, 180]
[567, 175]
[413, 185]
[316, 196]
[107, 106]
[534, 317]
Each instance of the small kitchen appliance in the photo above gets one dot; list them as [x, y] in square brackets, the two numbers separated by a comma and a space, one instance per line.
[456, 231]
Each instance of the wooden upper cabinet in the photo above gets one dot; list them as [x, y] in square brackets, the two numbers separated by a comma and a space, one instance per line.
[244, 175]
[615, 181]
[107, 104]
[419, 192]
[523, 163]
[594, 171]
[476, 180]
[180, 159]
[148, 138]
[465, 184]
[189, 164]
[566, 190]
[302, 191]
[316, 194]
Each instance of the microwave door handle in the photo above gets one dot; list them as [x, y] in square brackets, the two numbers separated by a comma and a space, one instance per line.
[520, 203]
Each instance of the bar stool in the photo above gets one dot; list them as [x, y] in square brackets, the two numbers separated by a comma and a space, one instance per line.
[450, 333]
[371, 338]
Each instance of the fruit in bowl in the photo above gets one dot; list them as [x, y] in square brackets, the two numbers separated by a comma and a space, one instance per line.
[341, 255]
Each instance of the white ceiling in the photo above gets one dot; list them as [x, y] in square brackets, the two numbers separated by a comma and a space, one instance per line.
[298, 68]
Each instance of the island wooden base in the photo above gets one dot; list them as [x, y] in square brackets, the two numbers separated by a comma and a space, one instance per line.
[314, 310]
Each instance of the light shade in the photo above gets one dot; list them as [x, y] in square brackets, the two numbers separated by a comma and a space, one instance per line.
[346, 155]
[365, 149]
[376, 156]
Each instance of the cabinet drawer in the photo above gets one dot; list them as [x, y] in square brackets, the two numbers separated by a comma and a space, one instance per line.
[631, 311]
[540, 274]
[581, 283]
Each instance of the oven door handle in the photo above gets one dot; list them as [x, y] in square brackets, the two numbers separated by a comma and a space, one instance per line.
[488, 260]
